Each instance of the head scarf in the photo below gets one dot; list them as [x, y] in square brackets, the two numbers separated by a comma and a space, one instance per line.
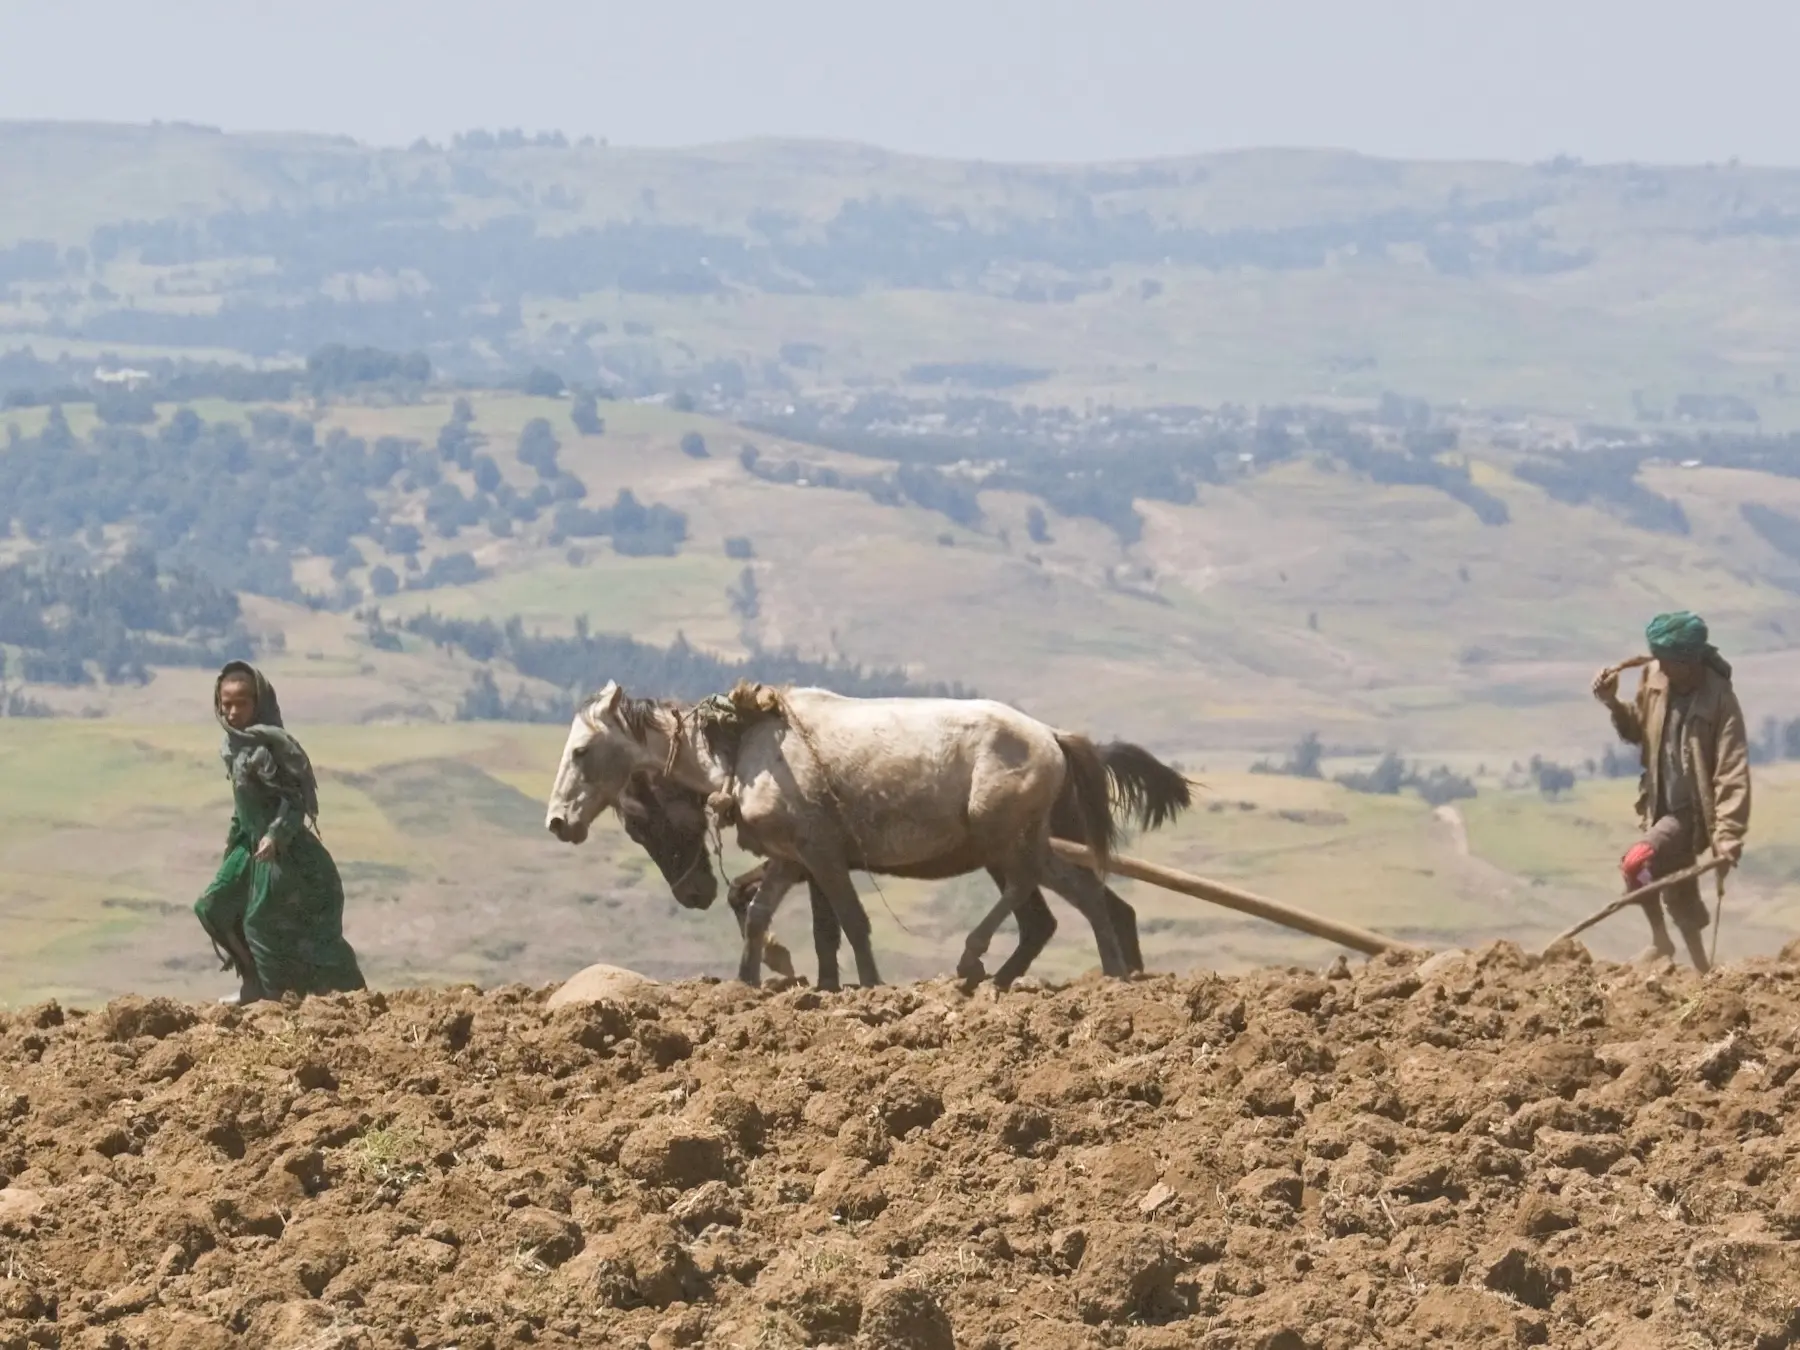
[1682, 636]
[264, 750]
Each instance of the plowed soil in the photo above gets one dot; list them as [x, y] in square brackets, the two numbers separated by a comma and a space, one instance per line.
[1486, 1149]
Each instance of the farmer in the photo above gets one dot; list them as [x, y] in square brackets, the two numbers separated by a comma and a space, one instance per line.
[1694, 793]
[275, 911]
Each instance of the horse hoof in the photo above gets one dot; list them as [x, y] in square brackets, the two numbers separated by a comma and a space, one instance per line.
[970, 970]
[776, 958]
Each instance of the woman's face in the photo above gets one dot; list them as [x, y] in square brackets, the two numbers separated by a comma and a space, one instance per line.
[237, 700]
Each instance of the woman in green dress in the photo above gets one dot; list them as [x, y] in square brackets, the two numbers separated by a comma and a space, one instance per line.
[275, 911]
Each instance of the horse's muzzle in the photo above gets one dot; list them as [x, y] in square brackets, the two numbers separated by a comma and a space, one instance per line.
[567, 833]
[698, 892]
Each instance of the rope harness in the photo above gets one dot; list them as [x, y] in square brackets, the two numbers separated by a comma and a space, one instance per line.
[723, 719]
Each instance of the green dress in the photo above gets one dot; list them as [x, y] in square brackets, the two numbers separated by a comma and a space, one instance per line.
[287, 914]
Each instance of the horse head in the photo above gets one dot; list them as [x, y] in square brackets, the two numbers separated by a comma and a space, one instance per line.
[669, 822]
[605, 748]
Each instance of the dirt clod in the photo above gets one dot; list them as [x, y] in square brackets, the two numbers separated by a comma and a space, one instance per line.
[672, 1153]
[545, 1236]
[1127, 1272]
[901, 1315]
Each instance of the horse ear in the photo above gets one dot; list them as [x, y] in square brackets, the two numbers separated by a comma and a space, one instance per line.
[607, 703]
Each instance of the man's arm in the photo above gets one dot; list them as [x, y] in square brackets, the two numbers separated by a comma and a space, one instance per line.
[1627, 718]
[1731, 783]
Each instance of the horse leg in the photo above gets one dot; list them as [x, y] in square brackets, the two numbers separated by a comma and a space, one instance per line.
[970, 969]
[1124, 922]
[1081, 888]
[739, 896]
[1037, 925]
[826, 934]
[832, 876]
[1019, 875]
[777, 880]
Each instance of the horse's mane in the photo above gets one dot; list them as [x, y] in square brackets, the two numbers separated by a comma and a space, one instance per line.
[638, 714]
[722, 718]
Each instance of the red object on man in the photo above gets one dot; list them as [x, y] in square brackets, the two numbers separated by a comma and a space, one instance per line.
[1636, 864]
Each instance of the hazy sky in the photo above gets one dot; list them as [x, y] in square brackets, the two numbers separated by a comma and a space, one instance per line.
[1653, 80]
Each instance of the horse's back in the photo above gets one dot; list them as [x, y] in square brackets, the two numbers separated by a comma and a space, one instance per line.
[929, 725]
[917, 775]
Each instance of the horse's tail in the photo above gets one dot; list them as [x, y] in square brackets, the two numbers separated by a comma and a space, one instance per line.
[1145, 788]
[1083, 813]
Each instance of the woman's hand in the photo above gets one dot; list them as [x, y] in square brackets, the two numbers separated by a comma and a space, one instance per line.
[265, 851]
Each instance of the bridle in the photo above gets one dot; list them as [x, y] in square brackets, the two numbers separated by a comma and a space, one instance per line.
[711, 843]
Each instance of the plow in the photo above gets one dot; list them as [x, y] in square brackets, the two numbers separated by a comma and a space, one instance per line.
[1332, 930]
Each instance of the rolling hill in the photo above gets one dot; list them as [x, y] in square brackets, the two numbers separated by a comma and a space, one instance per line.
[1607, 291]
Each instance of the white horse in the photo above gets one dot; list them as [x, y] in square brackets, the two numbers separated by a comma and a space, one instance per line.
[820, 783]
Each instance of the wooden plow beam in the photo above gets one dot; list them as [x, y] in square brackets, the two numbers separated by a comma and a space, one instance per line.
[1229, 897]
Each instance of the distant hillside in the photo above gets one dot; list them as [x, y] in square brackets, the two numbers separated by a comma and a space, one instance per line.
[1625, 292]
[1214, 582]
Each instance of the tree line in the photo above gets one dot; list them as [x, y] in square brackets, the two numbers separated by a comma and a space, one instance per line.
[1101, 468]
[64, 622]
[1391, 775]
[239, 502]
[477, 277]
[922, 485]
[578, 662]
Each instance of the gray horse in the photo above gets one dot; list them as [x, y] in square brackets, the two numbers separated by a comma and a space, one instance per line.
[669, 822]
[820, 784]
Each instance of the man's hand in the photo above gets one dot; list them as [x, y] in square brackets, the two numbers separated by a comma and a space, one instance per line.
[1606, 687]
[265, 851]
[1731, 851]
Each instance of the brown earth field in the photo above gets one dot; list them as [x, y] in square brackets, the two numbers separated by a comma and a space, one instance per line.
[1479, 1148]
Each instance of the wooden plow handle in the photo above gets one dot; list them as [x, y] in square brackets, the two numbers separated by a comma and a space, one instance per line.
[1641, 894]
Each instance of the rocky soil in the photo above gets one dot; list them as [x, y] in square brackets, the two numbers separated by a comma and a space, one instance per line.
[1485, 1149]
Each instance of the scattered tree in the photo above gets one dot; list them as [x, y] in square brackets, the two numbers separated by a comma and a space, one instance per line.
[585, 414]
[538, 446]
[746, 600]
[1552, 779]
[1385, 779]
[1303, 760]
[126, 407]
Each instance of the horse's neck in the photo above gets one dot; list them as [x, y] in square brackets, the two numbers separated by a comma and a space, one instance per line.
[691, 765]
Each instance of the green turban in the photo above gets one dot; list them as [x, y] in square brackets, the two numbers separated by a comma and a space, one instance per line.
[1682, 636]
